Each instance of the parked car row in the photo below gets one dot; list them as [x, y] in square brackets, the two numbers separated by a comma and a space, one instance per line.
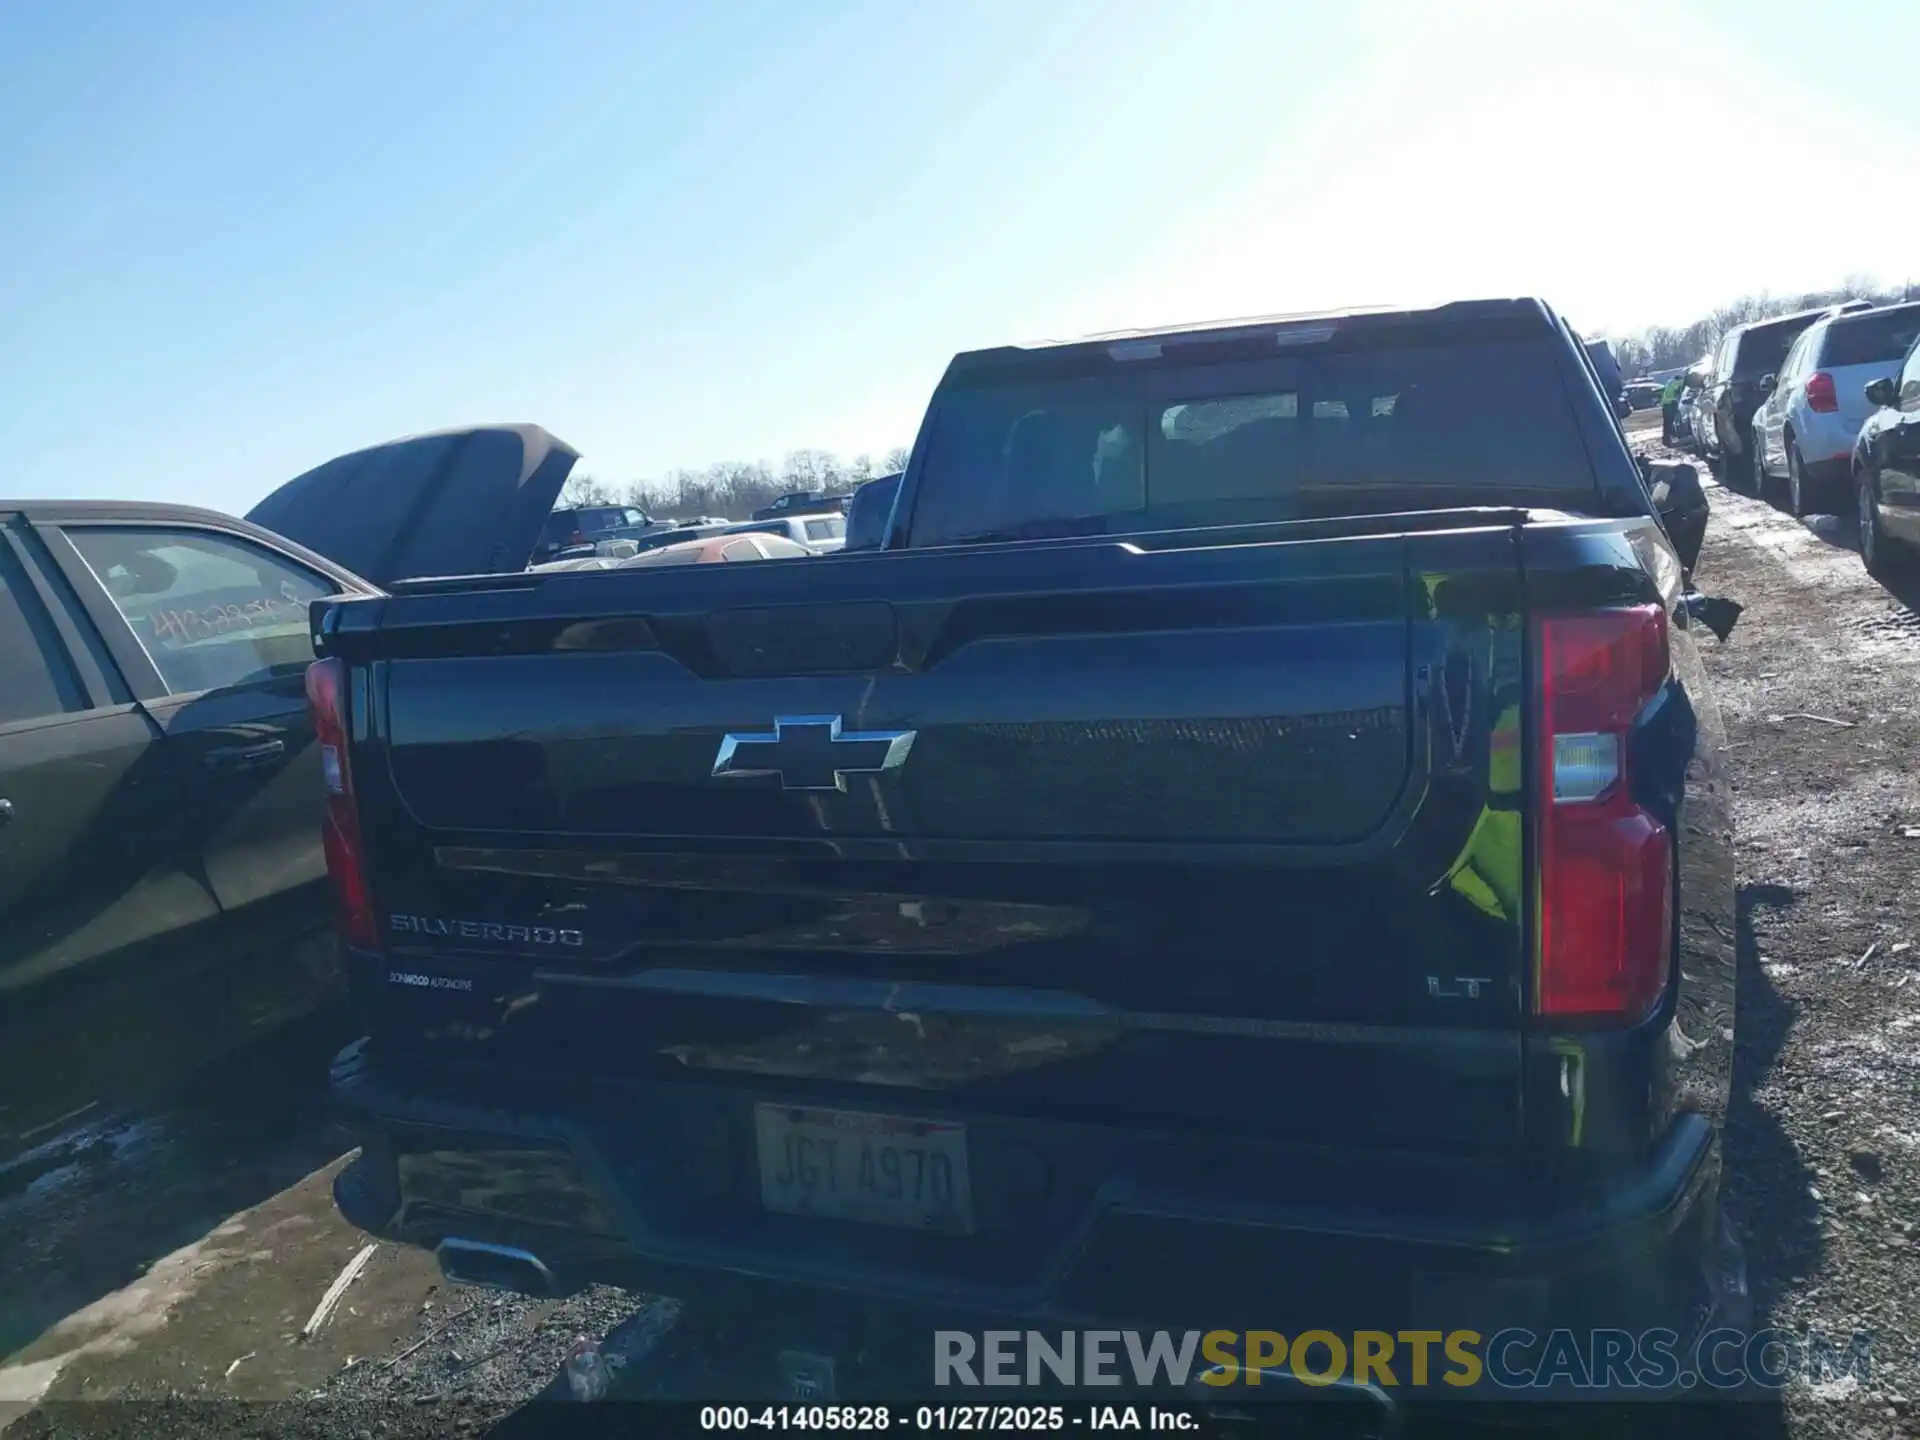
[811, 519]
[572, 531]
[814, 533]
[703, 550]
[819, 524]
[803, 502]
[1806, 427]
[1820, 410]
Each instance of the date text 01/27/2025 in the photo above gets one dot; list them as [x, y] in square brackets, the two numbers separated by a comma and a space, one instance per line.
[945, 1419]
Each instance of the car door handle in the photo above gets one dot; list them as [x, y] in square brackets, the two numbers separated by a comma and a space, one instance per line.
[246, 757]
[6, 810]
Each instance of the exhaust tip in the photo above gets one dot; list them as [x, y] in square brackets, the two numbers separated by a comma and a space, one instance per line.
[495, 1267]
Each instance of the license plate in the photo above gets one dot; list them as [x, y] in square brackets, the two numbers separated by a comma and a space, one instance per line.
[852, 1165]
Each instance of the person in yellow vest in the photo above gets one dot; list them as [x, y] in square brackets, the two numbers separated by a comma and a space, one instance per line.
[1670, 407]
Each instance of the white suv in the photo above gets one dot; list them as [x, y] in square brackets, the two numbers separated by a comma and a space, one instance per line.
[1804, 432]
[822, 534]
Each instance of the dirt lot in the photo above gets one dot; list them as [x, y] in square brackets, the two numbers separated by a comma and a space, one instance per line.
[1818, 686]
[174, 1262]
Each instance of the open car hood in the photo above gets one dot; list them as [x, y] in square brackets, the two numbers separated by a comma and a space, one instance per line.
[458, 502]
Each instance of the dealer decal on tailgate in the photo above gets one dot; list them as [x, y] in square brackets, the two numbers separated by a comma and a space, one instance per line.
[428, 982]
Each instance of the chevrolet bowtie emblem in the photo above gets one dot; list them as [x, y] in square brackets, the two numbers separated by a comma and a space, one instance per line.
[812, 752]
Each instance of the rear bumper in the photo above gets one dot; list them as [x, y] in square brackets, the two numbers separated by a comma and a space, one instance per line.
[653, 1188]
[1829, 472]
[1825, 440]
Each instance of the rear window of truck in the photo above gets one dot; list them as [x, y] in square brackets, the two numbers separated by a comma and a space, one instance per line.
[1878, 337]
[1335, 433]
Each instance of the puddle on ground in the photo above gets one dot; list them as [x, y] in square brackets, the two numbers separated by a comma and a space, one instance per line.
[90, 1213]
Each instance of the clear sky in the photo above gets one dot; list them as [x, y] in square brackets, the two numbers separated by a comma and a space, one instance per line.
[238, 239]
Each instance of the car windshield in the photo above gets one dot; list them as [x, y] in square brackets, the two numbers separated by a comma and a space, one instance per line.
[1878, 337]
[1362, 431]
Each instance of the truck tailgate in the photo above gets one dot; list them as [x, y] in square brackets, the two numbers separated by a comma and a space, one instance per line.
[1218, 834]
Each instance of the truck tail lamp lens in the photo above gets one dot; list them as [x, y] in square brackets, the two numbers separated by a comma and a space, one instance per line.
[1605, 911]
[340, 822]
[1585, 767]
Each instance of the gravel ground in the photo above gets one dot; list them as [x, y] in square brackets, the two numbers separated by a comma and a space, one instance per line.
[1817, 686]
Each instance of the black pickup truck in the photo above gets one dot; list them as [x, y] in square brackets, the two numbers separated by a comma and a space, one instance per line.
[1252, 848]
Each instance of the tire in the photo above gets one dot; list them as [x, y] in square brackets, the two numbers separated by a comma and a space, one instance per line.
[1733, 472]
[1741, 473]
[1886, 559]
[1798, 486]
[1764, 485]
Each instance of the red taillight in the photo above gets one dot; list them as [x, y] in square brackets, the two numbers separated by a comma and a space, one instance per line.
[1606, 864]
[340, 824]
[1821, 395]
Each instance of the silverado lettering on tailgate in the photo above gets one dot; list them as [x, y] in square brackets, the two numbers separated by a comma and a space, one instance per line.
[440, 928]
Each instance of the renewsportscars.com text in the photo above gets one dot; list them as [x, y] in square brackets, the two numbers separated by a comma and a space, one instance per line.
[1457, 1360]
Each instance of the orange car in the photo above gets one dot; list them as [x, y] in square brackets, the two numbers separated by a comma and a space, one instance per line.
[705, 550]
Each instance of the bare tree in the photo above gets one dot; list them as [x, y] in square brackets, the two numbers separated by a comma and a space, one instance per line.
[736, 488]
[1663, 348]
[583, 489]
[809, 470]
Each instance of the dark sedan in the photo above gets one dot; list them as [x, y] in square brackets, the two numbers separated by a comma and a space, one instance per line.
[1886, 467]
[163, 896]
